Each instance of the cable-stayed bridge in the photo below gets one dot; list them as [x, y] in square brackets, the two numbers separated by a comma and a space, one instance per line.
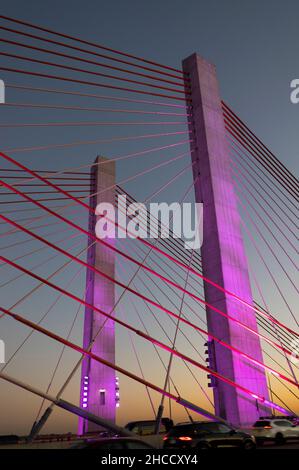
[167, 330]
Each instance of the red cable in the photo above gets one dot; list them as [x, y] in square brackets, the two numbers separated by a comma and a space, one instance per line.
[270, 155]
[27, 209]
[92, 236]
[174, 245]
[274, 255]
[170, 300]
[105, 141]
[93, 95]
[36, 200]
[31, 220]
[143, 241]
[92, 123]
[242, 158]
[90, 72]
[259, 152]
[42, 185]
[16, 170]
[19, 220]
[176, 274]
[49, 178]
[37, 217]
[89, 43]
[26, 219]
[142, 173]
[130, 328]
[85, 82]
[260, 204]
[106, 110]
[36, 327]
[274, 371]
[186, 303]
[276, 173]
[50, 51]
[51, 192]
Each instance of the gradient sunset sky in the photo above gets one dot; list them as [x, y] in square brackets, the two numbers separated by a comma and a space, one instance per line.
[255, 48]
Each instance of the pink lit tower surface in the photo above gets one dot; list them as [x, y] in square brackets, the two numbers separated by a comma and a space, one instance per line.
[98, 382]
[223, 255]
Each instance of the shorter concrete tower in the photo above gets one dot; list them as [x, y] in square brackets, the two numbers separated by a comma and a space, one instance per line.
[98, 382]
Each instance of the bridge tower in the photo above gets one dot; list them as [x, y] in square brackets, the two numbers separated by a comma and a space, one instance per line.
[98, 382]
[223, 254]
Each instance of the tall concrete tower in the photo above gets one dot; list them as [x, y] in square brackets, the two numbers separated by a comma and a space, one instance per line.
[98, 382]
[223, 254]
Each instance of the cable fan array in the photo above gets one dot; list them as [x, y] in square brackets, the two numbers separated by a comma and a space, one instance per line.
[160, 305]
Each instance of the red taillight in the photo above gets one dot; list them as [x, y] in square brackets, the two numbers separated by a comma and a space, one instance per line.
[267, 427]
[185, 438]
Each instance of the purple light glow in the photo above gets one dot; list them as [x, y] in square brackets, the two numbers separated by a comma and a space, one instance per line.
[84, 394]
[117, 404]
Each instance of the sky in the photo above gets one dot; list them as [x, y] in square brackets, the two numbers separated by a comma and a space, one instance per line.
[254, 46]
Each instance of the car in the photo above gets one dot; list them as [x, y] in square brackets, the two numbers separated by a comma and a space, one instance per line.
[146, 430]
[113, 443]
[147, 427]
[275, 429]
[203, 435]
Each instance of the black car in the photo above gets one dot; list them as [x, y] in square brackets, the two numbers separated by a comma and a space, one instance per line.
[207, 435]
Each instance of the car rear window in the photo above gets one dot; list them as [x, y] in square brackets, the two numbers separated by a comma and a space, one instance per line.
[183, 430]
[198, 428]
[261, 424]
[213, 427]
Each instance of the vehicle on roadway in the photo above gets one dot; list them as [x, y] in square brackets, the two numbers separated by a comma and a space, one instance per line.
[203, 435]
[146, 430]
[275, 429]
[147, 427]
[113, 443]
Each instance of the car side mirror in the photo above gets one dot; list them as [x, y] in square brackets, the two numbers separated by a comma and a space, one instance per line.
[233, 431]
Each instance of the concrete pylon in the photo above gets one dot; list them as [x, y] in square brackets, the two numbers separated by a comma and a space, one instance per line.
[223, 255]
[98, 382]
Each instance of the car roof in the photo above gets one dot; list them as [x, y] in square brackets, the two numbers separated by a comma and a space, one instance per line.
[198, 422]
[147, 421]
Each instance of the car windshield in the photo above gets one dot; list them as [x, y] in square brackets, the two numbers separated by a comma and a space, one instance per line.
[283, 423]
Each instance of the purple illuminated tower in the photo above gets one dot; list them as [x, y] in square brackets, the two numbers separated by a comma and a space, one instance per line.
[223, 255]
[98, 382]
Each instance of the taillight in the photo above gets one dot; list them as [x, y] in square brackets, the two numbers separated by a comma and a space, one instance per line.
[185, 438]
[267, 427]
